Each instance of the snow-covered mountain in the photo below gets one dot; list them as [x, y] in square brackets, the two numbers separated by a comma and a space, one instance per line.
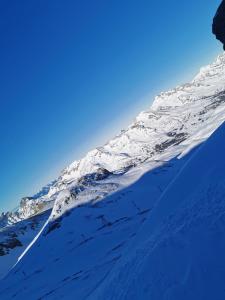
[102, 205]
[178, 119]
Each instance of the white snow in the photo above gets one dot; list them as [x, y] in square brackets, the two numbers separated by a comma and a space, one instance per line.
[179, 251]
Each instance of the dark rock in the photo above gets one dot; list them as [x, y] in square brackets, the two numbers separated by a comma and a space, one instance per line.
[10, 243]
[176, 140]
[218, 26]
[52, 226]
[100, 174]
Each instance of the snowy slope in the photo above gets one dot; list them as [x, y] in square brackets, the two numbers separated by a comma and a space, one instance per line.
[93, 241]
[179, 251]
[74, 254]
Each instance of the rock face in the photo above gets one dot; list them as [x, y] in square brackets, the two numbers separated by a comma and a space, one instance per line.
[218, 26]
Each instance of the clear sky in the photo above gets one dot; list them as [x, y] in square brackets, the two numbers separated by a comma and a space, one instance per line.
[74, 72]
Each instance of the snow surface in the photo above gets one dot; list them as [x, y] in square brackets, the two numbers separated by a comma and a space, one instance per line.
[179, 251]
[140, 217]
[73, 256]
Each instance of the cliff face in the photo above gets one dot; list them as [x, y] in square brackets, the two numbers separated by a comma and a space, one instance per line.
[218, 26]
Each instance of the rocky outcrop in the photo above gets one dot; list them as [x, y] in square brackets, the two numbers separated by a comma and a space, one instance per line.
[10, 243]
[218, 26]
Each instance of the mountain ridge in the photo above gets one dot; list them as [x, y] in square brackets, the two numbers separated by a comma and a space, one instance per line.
[132, 146]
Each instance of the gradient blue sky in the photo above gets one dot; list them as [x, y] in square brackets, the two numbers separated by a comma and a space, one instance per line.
[74, 72]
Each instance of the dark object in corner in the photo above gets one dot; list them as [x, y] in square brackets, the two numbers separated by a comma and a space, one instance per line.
[218, 26]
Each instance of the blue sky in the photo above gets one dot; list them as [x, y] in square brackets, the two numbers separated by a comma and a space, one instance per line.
[73, 73]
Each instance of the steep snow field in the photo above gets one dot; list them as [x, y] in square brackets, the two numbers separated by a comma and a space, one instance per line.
[74, 255]
[179, 251]
[137, 218]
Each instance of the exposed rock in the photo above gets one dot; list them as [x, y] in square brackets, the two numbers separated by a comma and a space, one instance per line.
[52, 226]
[10, 243]
[218, 26]
[100, 174]
[176, 140]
